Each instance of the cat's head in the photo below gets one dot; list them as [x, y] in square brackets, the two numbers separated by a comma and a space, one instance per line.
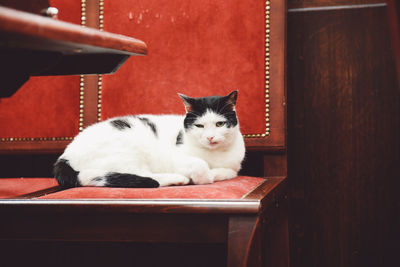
[211, 121]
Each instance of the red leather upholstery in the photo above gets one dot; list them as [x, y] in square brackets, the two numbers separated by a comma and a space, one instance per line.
[228, 189]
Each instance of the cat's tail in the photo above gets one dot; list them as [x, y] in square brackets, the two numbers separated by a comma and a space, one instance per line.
[114, 179]
[66, 176]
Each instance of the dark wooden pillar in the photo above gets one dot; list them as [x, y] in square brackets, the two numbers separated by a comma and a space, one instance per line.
[343, 134]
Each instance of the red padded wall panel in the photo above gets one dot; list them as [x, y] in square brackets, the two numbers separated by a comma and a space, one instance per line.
[69, 11]
[196, 47]
[45, 107]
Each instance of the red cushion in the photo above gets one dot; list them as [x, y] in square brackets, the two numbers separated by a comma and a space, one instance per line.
[228, 189]
[13, 187]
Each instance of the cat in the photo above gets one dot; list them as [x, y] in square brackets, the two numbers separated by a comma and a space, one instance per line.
[146, 151]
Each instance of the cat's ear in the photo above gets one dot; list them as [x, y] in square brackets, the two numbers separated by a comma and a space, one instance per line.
[231, 99]
[187, 101]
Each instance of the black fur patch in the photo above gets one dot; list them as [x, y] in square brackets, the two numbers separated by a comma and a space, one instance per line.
[125, 180]
[66, 176]
[150, 124]
[98, 179]
[221, 105]
[120, 124]
[179, 138]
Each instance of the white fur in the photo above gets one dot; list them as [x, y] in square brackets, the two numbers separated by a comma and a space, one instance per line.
[101, 148]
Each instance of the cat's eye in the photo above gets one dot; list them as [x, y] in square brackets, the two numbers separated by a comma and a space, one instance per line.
[220, 123]
[199, 125]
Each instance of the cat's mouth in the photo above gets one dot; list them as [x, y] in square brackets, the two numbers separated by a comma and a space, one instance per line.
[212, 143]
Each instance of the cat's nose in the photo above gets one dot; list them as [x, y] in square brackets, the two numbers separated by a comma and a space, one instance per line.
[210, 138]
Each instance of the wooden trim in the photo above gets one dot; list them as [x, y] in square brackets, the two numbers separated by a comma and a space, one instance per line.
[91, 83]
[276, 140]
[37, 146]
[90, 100]
[265, 188]
[274, 190]
[309, 4]
[173, 206]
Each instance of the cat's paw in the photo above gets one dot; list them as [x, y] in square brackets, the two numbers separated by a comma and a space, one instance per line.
[167, 179]
[220, 174]
[200, 173]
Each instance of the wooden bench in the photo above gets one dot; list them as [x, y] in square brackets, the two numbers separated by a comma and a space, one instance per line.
[208, 49]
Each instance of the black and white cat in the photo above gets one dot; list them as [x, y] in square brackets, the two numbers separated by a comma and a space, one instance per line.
[201, 147]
